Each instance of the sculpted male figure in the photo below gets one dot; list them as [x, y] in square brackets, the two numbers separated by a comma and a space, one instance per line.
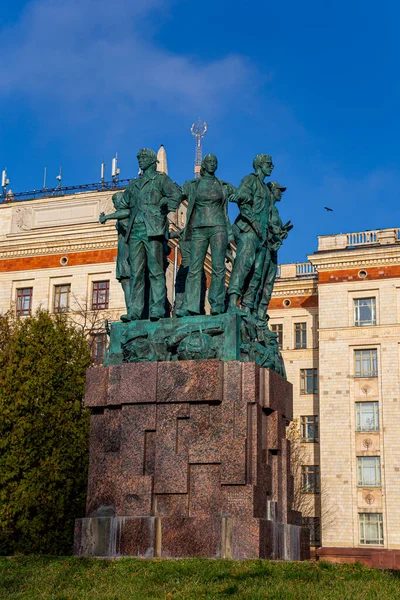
[276, 234]
[147, 201]
[251, 226]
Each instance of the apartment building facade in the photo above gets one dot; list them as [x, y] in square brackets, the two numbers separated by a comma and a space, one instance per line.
[340, 333]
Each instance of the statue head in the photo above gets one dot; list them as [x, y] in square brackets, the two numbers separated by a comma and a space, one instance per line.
[276, 190]
[262, 163]
[146, 158]
[209, 164]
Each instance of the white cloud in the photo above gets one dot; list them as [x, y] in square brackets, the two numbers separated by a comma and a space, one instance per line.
[90, 55]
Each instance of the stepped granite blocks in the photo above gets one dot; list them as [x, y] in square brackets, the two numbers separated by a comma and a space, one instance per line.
[189, 458]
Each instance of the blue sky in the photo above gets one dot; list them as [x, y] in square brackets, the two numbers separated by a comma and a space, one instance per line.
[315, 84]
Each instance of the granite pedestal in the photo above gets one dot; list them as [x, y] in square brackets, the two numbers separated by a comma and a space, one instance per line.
[189, 458]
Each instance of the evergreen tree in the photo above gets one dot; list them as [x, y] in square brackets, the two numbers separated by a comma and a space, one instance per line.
[43, 433]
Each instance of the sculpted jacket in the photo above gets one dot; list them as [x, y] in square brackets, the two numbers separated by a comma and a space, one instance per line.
[149, 201]
[189, 189]
[253, 198]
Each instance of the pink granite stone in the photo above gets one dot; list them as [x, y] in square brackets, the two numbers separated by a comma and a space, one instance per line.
[132, 383]
[244, 538]
[172, 505]
[189, 381]
[96, 387]
[170, 468]
[137, 537]
[201, 445]
[136, 496]
[137, 421]
[237, 500]
[205, 497]
[276, 393]
[231, 421]
[191, 536]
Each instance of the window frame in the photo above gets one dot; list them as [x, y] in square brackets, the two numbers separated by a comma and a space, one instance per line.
[57, 309]
[315, 529]
[310, 471]
[356, 312]
[360, 354]
[300, 335]
[20, 310]
[363, 520]
[305, 422]
[96, 305]
[362, 468]
[375, 415]
[304, 378]
[96, 356]
[278, 329]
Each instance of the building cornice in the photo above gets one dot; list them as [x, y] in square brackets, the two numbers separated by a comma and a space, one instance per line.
[357, 257]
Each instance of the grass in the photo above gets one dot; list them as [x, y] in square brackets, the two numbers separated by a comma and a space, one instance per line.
[26, 578]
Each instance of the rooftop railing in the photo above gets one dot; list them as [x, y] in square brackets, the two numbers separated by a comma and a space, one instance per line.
[361, 238]
[303, 269]
[101, 186]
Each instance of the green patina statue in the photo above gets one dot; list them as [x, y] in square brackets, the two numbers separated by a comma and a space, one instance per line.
[146, 203]
[141, 213]
[251, 232]
[207, 224]
[123, 269]
[269, 264]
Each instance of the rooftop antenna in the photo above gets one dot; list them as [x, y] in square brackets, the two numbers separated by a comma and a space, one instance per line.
[44, 178]
[4, 181]
[114, 168]
[198, 130]
[102, 172]
[59, 177]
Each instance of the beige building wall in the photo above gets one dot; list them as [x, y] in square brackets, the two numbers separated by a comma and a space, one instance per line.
[350, 273]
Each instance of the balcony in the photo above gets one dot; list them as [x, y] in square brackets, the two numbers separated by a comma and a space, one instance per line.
[299, 270]
[341, 241]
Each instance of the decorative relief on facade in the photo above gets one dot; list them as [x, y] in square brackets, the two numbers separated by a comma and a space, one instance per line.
[296, 292]
[22, 219]
[366, 389]
[367, 443]
[369, 498]
[106, 205]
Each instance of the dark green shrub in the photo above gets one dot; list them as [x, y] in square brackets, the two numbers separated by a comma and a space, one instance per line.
[43, 433]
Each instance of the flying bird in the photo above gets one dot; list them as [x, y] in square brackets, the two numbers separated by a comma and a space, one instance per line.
[328, 209]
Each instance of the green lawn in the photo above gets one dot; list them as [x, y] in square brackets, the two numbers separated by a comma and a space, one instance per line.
[126, 579]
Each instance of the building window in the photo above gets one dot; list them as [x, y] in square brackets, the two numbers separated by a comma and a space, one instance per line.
[24, 301]
[367, 416]
[101, 292]
[369, 471]
[61, 298]
[278, 329]
[314, 525]
[366, 363]
[300, 335]
[371, 528]
[364, 312]
[310, 479]
[98, 347]
[308, 381]
[309, 428]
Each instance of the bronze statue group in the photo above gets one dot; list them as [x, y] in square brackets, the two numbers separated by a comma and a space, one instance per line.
[141, 213]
